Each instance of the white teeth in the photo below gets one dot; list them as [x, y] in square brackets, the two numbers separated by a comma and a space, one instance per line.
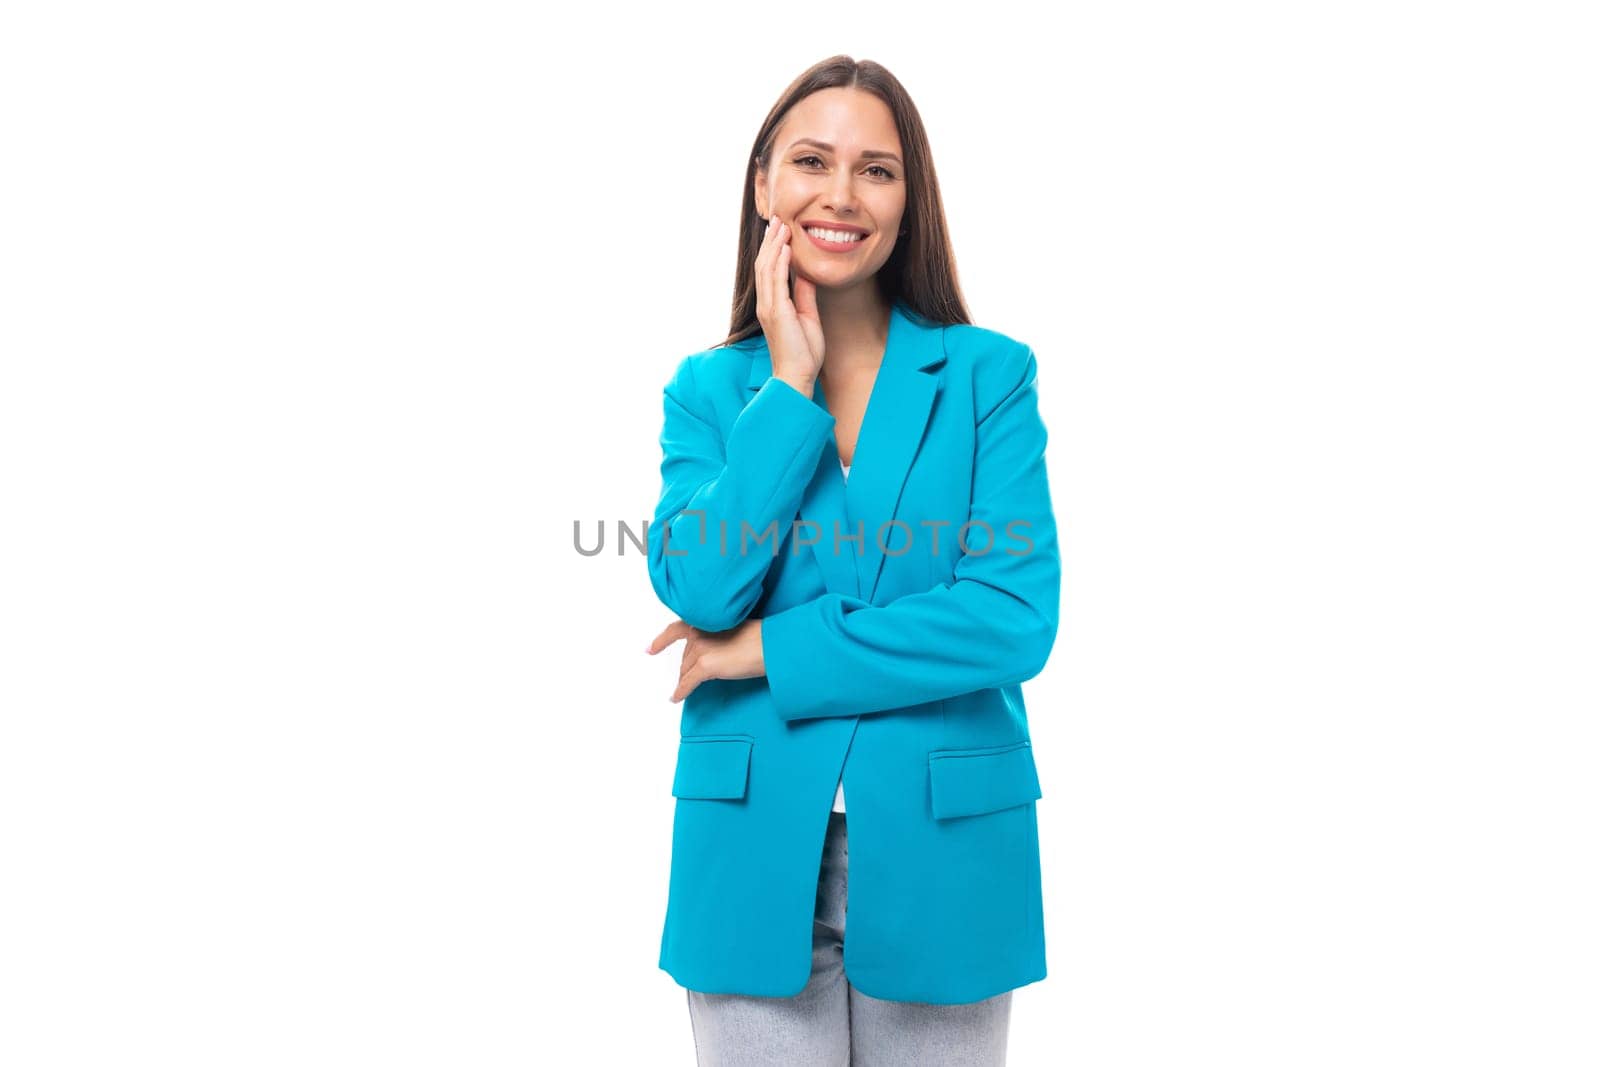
[832, 235]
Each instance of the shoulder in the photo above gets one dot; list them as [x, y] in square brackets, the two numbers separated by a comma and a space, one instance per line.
[995, 363]
[713, 370]
[713, 383]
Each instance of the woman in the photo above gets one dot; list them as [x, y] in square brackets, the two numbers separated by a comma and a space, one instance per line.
[859, 637]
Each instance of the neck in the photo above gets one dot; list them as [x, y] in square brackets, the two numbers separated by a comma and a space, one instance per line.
[855, 328]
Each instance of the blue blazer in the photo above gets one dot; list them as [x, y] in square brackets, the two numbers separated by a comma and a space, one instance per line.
[893, 657]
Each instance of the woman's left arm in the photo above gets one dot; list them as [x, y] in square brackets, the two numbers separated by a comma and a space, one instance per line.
[995, 625]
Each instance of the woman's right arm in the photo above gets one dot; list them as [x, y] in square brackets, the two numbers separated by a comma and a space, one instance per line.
[725, 505]
[719, 497]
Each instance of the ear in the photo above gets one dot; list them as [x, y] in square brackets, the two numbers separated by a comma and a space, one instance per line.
[761, 194]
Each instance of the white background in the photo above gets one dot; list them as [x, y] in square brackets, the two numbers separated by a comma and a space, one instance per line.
[323, 322]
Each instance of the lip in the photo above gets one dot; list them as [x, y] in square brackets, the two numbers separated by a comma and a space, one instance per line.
[845, 247]
[826, 225]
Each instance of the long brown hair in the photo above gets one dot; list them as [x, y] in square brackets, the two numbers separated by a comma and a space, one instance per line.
[921, 271]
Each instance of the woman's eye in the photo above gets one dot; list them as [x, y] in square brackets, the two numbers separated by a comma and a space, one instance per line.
[886, 172]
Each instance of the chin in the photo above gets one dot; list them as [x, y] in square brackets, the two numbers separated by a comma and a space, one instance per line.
[830, 280]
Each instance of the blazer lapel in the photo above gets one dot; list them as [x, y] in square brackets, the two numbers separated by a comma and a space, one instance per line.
[891, 431]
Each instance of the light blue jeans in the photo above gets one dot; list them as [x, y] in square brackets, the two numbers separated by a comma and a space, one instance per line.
[830, 1023]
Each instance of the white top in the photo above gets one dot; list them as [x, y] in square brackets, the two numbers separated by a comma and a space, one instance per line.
[838, 796]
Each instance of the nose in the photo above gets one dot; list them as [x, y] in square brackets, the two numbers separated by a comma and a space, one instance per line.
[842, 193]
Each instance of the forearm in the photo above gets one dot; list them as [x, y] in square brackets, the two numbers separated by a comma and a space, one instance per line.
[725, 508]
[993, 625]
[838, 655]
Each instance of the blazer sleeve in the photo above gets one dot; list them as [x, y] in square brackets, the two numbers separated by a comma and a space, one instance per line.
[700, 565]
[994, 626]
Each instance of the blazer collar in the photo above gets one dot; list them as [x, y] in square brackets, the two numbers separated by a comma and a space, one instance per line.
[914, 342]
[891, 430]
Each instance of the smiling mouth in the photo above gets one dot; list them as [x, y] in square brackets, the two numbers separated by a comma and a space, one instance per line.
[850, 244]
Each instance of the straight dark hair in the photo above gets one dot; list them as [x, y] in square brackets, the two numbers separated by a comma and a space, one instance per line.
[921, 271]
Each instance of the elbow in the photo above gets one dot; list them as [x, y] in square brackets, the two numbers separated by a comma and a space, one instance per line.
[707, 615]
[1023, 632]
[712, 618]
[1037, 639]
[704, 612]
[1043, 624]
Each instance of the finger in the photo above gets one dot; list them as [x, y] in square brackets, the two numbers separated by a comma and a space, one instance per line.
[765, 250]
[774, 256]
[764, 264]
[805, 297]
[687, 685]
[784, 271]
[663, 639]
[675, 631]
[693, 652]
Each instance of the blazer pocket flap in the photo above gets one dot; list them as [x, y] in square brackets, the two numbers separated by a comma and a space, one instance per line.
[971, 781]
[712, 768]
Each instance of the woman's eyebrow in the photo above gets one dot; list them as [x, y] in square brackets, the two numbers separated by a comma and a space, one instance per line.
[869, 153]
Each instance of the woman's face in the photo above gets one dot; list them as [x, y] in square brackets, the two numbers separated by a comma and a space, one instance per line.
[836, 163]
